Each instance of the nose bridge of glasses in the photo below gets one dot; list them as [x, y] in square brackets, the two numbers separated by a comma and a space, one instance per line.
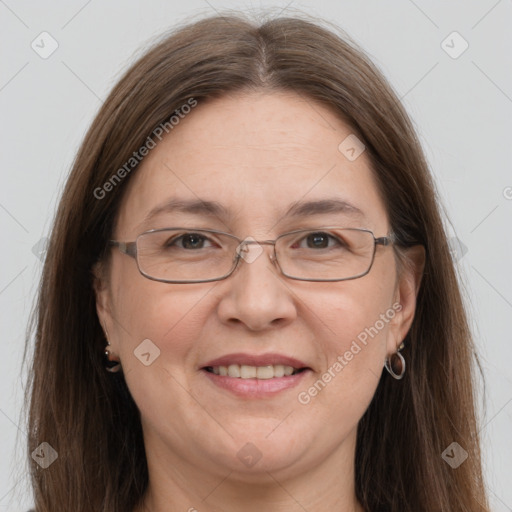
[257, 242]
[243, 251]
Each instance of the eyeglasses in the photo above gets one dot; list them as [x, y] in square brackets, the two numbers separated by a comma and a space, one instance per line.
[184, 255]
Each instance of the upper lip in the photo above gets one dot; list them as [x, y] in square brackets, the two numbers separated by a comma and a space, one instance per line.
[256, 360]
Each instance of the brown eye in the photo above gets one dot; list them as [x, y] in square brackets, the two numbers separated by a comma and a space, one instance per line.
[187, 241]
[320, 240]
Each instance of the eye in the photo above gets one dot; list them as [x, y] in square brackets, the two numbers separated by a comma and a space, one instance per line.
[320, 240]
[187, 241]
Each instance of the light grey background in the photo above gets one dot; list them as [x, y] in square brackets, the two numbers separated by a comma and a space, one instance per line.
[462, 108]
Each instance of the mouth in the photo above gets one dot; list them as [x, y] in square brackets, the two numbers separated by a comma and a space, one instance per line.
[243, 371]
[255, 376]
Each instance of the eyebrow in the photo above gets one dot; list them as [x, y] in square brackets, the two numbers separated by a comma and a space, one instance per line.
[331, 205]
[298, 209]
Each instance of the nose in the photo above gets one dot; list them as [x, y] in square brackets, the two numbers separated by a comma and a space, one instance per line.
[255, 294]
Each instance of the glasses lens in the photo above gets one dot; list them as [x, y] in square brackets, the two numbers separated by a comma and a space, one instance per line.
[179, 255]
[327, 253]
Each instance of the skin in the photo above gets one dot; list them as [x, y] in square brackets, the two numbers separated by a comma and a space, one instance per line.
[255, 153]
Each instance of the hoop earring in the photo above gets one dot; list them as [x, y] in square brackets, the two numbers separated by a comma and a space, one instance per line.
[111, 365]
[395, 364]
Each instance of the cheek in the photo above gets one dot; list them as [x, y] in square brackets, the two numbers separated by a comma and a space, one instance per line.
[158, 348]
[354, 322]
[161, 319]
[355, 343]
[354, 313]
[343, 389]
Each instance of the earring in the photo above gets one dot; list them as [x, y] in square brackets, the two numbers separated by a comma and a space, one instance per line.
[111, 365]
[395, 364]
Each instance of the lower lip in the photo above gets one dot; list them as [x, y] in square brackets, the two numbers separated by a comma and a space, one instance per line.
[256, 388]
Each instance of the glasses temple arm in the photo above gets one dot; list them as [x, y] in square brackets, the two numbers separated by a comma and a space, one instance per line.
[386, 240]
[128, 248]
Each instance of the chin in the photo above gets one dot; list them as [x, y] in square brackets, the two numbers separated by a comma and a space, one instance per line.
[261, 446]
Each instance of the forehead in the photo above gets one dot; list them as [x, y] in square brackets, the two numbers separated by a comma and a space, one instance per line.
[254, 157]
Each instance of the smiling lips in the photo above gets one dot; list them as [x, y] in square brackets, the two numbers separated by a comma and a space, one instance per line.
[255, 375]
[244, 371]
[247, 366]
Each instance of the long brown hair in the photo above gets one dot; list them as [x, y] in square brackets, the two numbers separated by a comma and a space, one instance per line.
[87, 414]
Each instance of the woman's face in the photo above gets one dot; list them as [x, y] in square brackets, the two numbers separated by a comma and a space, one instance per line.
[256, 155]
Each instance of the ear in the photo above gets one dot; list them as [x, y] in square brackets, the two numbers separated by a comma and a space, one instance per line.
[406, 292]
[103, 298]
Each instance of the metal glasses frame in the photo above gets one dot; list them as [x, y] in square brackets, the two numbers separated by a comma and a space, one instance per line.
[130, 249]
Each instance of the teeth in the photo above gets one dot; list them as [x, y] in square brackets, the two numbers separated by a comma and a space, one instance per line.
[234, 370]
[265, 372]
[253, 372]
[247, 372]
[278, 370]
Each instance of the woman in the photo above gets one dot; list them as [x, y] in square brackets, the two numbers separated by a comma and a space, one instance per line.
[248, 301]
